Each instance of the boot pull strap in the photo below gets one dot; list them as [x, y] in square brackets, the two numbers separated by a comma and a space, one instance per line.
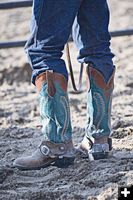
[50, 83]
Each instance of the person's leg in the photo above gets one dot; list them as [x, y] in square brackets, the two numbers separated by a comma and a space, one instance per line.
[90, 33]
[52, 23]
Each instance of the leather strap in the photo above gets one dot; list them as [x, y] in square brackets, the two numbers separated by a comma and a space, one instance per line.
[51, 149]
[50, 81]
[77, 89]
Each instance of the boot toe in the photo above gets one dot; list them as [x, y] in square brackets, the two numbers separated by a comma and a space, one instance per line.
[21, 163]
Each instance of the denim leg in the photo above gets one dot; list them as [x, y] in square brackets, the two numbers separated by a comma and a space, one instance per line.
[90, 33]
[50, 29]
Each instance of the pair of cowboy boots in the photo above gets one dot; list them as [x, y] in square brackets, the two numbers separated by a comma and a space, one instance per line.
[57, 147]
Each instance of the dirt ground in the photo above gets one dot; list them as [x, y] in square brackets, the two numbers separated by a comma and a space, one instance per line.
[19, 120]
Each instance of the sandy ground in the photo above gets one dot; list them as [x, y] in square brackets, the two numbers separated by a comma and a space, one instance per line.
[19, 120]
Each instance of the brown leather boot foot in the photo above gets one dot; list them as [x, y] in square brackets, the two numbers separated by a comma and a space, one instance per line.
[89, 146]
[57, 154]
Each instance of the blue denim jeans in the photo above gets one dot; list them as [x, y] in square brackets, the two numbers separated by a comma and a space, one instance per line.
[51, 25]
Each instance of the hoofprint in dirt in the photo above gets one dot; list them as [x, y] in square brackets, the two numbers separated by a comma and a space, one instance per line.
[20, 130]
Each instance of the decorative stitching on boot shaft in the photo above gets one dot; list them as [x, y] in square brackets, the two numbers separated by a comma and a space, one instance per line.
[55, 113]
[99, 104]
[65, 104]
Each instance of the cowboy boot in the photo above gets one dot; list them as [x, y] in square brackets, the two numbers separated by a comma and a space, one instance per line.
[97, 142]
[57, 147]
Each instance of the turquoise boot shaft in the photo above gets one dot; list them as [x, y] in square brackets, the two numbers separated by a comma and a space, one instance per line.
[56, 148]
[99, 101]
[55, 114]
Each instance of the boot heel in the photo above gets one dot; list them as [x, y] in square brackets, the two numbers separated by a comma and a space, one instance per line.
[64, 162]
[110, 144]
[99, 155]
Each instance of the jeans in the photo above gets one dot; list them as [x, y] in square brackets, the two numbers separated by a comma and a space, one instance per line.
[51, 24]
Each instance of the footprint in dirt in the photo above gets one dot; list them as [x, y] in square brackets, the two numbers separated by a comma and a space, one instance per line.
[4, 173]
